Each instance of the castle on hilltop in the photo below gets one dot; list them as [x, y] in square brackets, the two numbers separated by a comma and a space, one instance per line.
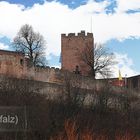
[15, 64]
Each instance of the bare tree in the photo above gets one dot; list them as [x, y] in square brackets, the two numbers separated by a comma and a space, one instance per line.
[32, 44]
[99, 60]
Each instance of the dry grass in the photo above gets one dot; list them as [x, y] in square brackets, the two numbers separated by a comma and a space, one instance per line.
[71, 130]
[127, 136]
[71, 133]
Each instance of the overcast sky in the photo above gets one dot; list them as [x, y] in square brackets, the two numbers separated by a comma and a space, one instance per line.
[115, 23]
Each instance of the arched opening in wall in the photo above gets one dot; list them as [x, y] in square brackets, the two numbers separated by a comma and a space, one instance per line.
[21, 62]
[77, 70]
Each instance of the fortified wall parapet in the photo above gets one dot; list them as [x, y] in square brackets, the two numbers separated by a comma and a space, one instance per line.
[47, 68]
[81, 34]
[44, 74]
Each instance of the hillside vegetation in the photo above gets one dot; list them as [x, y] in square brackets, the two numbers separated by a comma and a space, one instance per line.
[110, 115]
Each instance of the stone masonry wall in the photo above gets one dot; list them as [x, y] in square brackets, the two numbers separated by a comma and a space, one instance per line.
[13, 64]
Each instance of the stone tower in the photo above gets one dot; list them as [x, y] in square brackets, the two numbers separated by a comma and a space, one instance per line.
[72, 47]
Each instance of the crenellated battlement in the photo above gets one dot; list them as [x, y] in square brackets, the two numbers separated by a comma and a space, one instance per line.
[47, 68]
[81, 34]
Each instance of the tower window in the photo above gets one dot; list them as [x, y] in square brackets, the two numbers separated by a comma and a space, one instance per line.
[21, 62]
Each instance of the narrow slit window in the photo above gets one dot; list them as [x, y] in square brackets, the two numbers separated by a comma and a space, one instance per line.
[21, 62]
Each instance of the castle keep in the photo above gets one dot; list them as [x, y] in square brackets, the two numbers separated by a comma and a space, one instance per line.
[72, 48]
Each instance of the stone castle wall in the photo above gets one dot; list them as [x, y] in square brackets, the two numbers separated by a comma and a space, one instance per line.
[13, 64]
[50, 90]
[133, 82]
